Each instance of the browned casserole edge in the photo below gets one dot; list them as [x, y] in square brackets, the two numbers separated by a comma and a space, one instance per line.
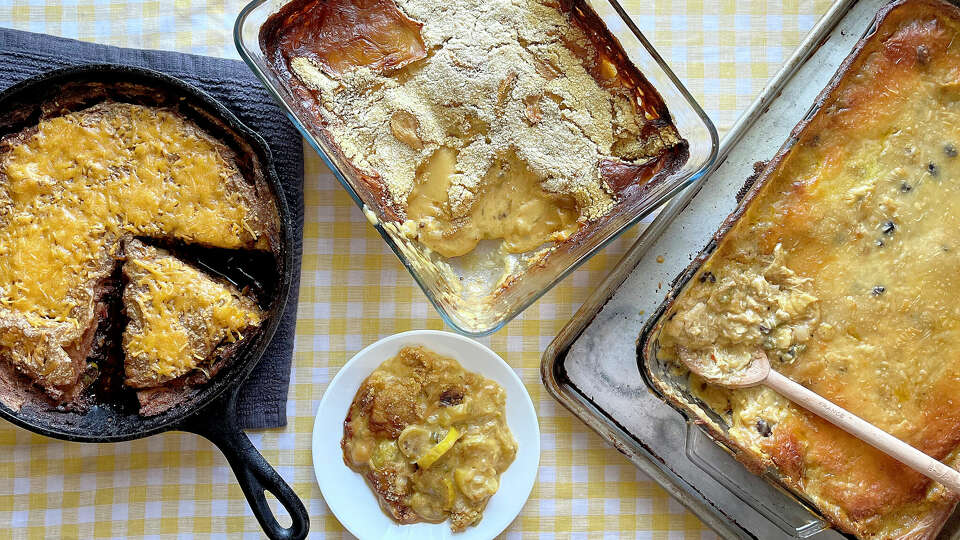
[930, 525]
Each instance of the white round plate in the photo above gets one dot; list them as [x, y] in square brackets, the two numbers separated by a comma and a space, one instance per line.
[347, 493]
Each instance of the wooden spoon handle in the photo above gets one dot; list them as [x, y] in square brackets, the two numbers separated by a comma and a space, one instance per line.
[865, 431]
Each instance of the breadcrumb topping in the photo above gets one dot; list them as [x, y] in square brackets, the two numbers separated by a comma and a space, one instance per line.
[495, 77]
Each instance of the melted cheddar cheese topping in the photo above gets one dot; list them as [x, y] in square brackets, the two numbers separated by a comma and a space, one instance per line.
[83, 178]
[181, 316]
[71, 188]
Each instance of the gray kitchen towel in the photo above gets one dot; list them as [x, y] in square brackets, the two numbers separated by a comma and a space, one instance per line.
[263, 399]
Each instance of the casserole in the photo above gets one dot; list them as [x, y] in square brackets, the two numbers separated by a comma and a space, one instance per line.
[78, 186]
[348, 494]
[473, 293]
[430, 438]
[836, 264]
[209, 409]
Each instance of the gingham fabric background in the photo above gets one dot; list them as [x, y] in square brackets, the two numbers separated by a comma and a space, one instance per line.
[177, 484]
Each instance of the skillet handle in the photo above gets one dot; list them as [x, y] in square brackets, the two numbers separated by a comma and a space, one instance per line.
[218, 424]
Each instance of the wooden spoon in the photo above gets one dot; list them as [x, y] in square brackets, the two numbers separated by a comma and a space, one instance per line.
[759, 372]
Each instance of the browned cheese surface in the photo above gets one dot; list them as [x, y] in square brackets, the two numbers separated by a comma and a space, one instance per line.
[845, 271]
[72, 188]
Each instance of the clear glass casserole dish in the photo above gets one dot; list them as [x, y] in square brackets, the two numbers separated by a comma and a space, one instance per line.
[472, 297]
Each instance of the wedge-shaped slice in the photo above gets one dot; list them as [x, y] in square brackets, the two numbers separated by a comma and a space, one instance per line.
[182, 321]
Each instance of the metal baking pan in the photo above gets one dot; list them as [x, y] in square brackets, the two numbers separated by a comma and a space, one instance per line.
[590, 367]
[674, 386]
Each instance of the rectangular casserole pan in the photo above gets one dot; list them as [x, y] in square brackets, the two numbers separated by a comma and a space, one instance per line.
[456, 310]
[591, 366]
[673, 386]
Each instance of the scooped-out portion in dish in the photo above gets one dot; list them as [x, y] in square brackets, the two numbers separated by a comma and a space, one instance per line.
[518, 122]
[755, 305]
[430, 438]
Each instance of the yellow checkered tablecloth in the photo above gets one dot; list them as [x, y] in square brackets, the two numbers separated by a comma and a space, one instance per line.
[178, 484]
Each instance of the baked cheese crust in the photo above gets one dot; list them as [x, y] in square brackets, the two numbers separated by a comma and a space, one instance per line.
[72, 189]
[178, 317]
[844, 268]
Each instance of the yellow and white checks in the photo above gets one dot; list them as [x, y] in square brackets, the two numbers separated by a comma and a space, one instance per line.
[353, 292]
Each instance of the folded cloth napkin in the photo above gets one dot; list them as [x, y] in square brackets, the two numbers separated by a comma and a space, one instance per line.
[263, 399]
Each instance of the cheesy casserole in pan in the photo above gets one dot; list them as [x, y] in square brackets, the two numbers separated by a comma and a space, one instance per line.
[489, 133]
[843, 267]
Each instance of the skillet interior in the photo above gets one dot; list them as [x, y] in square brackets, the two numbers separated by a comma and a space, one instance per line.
[112, 416]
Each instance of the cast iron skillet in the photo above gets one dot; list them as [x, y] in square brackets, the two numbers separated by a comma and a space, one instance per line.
[210, 411]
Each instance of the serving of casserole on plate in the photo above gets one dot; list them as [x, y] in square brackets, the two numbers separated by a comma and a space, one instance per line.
[430, 438]
[427, 435]
[496, 145]
[840, 265]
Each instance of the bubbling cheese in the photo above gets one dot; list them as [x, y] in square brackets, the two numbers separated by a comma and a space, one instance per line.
[72, 188]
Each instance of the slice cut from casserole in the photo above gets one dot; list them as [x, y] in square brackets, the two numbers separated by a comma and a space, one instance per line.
[182, 322]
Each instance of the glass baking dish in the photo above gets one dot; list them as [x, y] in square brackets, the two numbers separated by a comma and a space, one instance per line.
[462, 297]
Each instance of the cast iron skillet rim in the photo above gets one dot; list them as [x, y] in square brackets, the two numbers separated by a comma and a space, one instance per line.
[237, 371]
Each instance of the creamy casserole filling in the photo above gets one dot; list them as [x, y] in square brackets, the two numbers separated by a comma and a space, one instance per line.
[430, 438]
[742, 310]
